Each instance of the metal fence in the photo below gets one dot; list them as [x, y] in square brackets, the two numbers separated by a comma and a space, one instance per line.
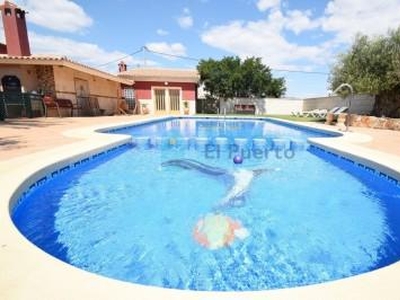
[15, 105]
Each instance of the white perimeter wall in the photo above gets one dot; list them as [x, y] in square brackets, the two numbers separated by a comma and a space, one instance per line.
[361, 104]
[280, 106]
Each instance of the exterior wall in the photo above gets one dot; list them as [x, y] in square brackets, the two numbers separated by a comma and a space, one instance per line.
[60, 81]
[143, 89]
[273, 106]
[26, 74]
[144, 93]
[361, 104]
[107, 92]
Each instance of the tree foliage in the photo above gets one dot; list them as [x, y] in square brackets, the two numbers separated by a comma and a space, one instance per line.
[371, 65]
[231, 77]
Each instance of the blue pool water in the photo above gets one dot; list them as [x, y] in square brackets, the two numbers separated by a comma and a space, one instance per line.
[308, 217]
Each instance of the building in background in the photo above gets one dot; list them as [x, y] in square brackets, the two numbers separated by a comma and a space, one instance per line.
[162, 91]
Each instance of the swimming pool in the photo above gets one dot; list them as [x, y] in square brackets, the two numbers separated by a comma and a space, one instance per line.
[302, 226]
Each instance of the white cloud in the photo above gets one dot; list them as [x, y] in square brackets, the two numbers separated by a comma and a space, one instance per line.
[267, 38]
[185, 21]
[86, 53]
[173, 49]
[347, 17]
[264, 5]
[162, 32]
[263, 39]
[299, 21]
[57, 15]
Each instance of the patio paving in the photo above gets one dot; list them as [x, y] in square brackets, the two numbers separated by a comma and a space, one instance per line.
[25, 136]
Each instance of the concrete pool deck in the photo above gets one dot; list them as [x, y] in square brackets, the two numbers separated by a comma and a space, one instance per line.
[24, 136]
[26, 272]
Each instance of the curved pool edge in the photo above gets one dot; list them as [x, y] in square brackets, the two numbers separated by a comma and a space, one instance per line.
[29, 273]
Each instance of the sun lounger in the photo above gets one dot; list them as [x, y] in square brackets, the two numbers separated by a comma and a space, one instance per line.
[340, 110]
[315, 113]
[324, 112]
[333, 114]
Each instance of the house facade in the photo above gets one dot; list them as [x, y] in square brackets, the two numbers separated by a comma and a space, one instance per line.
[61, 78]
[157, 91]
[163, 91]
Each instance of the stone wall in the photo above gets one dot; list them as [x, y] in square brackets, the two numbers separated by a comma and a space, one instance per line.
[370, 122]
[45, 78]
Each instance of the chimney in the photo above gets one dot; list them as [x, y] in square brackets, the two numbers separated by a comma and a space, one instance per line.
[122, 67]
[15, 30]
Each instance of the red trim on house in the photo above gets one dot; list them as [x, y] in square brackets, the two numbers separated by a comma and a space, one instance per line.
[143, 89]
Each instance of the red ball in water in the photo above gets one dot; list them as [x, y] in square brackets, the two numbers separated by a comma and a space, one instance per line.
[237, 159]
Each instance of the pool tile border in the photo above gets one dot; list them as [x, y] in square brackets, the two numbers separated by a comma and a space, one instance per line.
[61, 170]
[29, 273]
[368, 167]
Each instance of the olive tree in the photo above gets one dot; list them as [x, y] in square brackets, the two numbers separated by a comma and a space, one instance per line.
[372, 65]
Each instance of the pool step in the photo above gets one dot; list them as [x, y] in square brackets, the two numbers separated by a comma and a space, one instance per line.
[220, 143]
[141, 142]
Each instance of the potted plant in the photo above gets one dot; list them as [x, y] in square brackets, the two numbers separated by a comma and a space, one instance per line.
[145, 110]
[186, 107]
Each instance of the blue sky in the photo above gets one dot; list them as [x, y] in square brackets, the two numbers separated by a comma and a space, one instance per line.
[299, 40]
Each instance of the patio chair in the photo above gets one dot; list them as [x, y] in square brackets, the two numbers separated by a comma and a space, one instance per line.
[57, 104]
[49, 103]
[65, 103]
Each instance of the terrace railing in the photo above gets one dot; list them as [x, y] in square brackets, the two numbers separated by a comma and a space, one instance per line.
[15, 104]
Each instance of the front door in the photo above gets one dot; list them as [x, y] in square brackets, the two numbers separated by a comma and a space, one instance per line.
[82, 97]
[81, 87]
[167, 100]
[160, 96]
[174, 100]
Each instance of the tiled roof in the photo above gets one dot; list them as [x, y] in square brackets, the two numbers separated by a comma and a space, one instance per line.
[172, 75]
[55, 60]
